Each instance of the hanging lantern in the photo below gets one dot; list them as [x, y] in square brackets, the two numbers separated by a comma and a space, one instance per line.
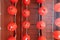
[14, 1]
[12, 10]
[12, 26]
[57, 7]
[11, 38]
[57, 22]
[41, 25]
[26, 13]
[26, 2]
[42, 11]
[56, 34]
[26, 37]
[41, 38]
[40, 1]
[26, 24]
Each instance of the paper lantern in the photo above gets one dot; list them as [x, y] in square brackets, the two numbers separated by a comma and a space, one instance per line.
[26, 24]
[14, 1]
[11, 38]
[26, 37]
[26, 13]
[12, 26]
[57, 7]
[56, 34]
[42, 10]
[57, 22]
[40, 1]
[42, 38]
[26, 2]
[41, 25]
[12, 10]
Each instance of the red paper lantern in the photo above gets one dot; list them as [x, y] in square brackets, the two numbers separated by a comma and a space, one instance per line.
[14, 1]
[42, 11]
[56, 34]
[42, 38]
[26, 37]
[11, 38]
[40, 1]
[26, 13]
[12, 26]
[41, 25]
[57, 22]
[26, 2]
[26, 24]
[12, 10]
[57, 7]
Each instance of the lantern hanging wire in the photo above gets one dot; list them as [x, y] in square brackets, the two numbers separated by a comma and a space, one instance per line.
[15, 33]
[26, 18]
[40, 18]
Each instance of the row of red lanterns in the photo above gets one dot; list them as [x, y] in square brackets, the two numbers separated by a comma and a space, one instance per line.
[12, 10]
[12, 26]
[26, 23]
[26, 13]
[41, 24]
[56, 34]
[57, 9]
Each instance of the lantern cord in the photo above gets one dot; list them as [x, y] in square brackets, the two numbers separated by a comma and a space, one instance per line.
[26, 19]
[58, 1]
[15, 35]
[15, 14]
[21, 20]
[26, 29]
[26, 7]
[53, 18]
[40, 18]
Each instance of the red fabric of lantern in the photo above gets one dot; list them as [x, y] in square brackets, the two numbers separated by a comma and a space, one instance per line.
[11, 38]
[40, 1]
[56, 34]
[42, 38]
[26, 24]
[42, 11]
[57, 7]
[26, 2]
[12, 10]
[26, 13]
[26, 37]
[41, 25]
[57, 22]
[14, 1]
[12, 26]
